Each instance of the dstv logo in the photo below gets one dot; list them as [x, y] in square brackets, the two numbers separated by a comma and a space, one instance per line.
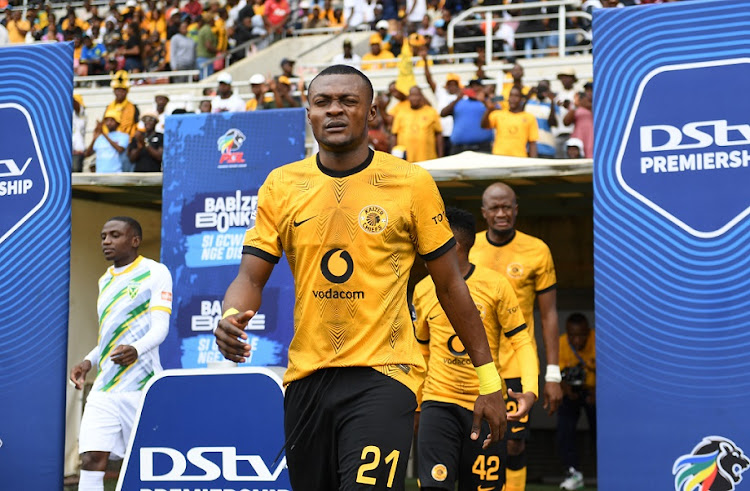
[211, 470]
[699, 134]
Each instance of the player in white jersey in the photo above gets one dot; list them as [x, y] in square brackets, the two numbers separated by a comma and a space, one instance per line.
[134, 305]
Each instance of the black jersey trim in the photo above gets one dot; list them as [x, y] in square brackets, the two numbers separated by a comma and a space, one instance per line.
[439, 251]
[549, 288]
[254, 251]
[515, 331]
[345, 173]
[500, 244]
[471, 271]
[427, 341]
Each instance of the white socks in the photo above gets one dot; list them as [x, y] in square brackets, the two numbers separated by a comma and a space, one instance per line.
[91, 481]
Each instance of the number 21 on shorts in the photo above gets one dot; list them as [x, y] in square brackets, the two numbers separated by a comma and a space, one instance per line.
[371, 458]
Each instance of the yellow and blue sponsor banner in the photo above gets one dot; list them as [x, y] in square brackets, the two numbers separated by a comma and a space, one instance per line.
[214, 165]
[36, 86]
[672, 245]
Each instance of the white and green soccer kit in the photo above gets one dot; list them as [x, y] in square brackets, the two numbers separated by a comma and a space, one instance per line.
[125, 302]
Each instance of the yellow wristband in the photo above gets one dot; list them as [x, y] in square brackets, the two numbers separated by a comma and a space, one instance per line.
[489, 379]
[229, 312]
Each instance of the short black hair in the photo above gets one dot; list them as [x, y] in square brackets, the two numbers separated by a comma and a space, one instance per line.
[132, 222]
[463, 222]
[577, 318]
[345, 70]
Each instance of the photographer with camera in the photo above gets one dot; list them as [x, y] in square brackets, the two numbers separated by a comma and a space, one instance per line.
[578, 367]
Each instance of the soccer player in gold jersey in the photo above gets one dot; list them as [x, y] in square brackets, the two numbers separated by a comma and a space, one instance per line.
[351, 222]
[446, 455]
[527, 264]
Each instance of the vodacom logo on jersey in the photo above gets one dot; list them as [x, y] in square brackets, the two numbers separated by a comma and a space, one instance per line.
[337, 267]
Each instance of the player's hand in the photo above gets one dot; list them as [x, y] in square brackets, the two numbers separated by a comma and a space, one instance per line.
[124, 355]
[78, 374]
[230, 334]
[525, 401]
[490, 407]
[553, 395]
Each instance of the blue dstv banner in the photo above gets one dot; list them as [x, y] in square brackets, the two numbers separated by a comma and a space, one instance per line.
[36, 87]
[214, 165]
[182, 442]
[672, 245]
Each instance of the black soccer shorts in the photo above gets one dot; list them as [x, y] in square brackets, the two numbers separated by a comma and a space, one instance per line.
[348, 429]
[516, 430]
[447, 453]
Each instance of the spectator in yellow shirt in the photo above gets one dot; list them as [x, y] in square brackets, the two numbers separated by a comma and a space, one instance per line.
[578, 367]
[377, 53]
[516, 131]
[17, 28]
[418, 129]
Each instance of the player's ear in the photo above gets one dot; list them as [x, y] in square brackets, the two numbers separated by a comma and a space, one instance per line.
[135, 241]
[373, 112]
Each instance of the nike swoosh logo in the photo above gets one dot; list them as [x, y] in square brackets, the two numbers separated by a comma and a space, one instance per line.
[516, 429]
[297, 224]
[430, 318]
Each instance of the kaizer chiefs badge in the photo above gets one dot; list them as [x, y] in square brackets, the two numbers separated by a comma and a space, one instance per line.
[515, 270]
[373, 219]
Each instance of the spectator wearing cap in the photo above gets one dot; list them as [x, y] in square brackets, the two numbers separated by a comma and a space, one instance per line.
[348, 57]
[282, 94]
[546, 112]
[574, 148]
[226, 100]
[516, 131]
[182, 52]
[381, 28]
[147, 147]
[258, 88]
[377, 53]
[127, 112]
[287, 70]
[467, 111]
[582, 119]
[417, 129]
[564, 101]
[205, 49]
[79, 132]
[108, 146]
[444, 96]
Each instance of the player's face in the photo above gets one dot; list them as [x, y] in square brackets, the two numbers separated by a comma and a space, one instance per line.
[499, 209]
[119, 243]
[340, 108]
[514, 99]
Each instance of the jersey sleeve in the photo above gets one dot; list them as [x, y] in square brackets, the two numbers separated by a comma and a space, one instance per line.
[493, 117]
[262, 239]
[533, 129]
[431, 233]
[546, 279]
[419, 319]
[514, 328]
[161, 289]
